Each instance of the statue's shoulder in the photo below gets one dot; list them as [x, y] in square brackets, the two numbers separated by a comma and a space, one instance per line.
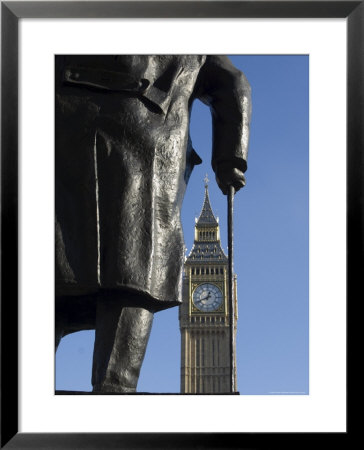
[187, 62]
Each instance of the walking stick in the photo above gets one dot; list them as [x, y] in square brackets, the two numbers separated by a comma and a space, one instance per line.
[231, 193]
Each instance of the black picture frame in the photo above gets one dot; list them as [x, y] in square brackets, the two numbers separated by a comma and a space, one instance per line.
[11, 12]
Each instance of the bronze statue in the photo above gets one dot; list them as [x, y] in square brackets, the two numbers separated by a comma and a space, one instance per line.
[123, 160]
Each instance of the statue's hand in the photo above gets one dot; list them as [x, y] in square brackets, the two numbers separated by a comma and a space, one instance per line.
[226, 175]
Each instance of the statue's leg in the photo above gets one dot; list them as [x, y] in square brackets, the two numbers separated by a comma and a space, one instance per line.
[121, 340]
[58, 337]
[60, 325]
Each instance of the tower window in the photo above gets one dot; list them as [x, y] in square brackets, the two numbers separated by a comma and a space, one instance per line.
[197, 271]
[202, 271]
[221, 271]
[193, 271]
[207, 271]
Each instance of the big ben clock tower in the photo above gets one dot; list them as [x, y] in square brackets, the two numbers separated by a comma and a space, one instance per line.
[204, 313]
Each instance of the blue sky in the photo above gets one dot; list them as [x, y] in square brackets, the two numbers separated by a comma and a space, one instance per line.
[271, 245]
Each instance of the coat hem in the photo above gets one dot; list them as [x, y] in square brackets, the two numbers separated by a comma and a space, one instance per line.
[130, 295]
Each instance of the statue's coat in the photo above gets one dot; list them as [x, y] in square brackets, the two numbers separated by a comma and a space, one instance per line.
[123, 159]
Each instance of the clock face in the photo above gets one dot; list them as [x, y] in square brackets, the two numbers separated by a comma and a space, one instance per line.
[207, 297]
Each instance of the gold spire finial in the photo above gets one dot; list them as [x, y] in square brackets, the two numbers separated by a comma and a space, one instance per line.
[206, 180]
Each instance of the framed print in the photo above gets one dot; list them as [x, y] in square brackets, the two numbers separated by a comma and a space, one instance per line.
[26, 427]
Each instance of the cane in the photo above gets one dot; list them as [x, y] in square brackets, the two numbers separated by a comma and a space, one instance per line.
[231, 193]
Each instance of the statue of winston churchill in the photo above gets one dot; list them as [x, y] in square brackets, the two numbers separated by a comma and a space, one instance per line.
[123, 160]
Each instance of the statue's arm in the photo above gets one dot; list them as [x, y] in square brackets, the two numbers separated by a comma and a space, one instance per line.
[227, 92]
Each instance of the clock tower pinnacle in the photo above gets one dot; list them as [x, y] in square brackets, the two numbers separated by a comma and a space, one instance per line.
[204, 313]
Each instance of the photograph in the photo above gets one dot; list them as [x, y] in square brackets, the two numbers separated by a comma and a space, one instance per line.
[107, 182]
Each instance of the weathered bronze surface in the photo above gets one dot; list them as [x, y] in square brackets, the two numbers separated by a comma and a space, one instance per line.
[123, 160]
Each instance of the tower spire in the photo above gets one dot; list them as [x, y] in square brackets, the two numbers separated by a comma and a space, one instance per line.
[206, 180]
[207, 216]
